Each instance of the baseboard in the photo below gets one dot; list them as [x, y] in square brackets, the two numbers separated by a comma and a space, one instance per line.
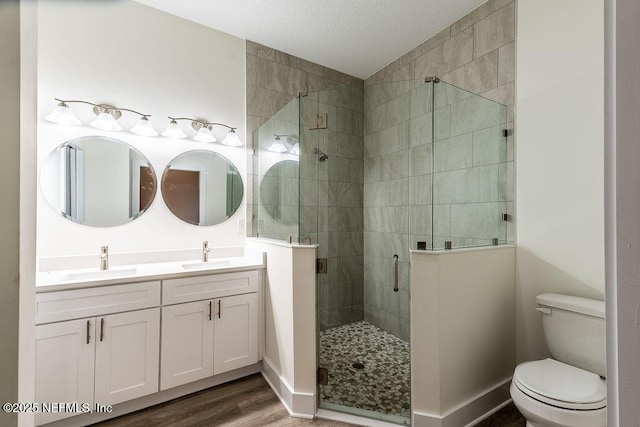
[299, 405]
[468, 413]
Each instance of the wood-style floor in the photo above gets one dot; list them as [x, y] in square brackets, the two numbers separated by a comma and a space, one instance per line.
[247, 402]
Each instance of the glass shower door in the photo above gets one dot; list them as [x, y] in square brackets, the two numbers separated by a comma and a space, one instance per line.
[363, 182]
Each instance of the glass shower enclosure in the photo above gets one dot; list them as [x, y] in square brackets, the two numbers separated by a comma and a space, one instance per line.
[367, 175]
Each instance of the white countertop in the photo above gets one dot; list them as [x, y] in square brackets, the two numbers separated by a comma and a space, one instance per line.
[61, 280]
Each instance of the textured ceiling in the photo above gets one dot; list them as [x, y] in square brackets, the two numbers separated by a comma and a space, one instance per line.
[357, 37]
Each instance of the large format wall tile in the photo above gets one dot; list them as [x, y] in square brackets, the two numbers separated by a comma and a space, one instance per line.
[364, 189]
[477, 76]
[281, 78]
[262, 102]
[475, 113]
[451, 54]
[454, 153]
[489, 146]
[507, 63]
[478, 14]
[478, 220]
[478, 184]
[494, 31]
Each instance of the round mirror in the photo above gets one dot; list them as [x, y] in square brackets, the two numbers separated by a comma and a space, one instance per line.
[202, 187]
[279, 192]
[98, 181]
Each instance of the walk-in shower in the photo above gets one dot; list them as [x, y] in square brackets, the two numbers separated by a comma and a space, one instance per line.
[389, 168]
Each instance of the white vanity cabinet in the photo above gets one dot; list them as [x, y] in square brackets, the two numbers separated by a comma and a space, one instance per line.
[235, 341]
[137, 342]
[64, 364]
[127, 356]
[101, 359]
[187, 343]
[210, 336]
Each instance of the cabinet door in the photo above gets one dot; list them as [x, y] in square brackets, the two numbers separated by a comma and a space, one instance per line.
[64, 365]
[187, 343]
[236, 332]
[127, 355]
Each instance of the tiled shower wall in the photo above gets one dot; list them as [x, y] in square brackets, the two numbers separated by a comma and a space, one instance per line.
[340, 201]
[330, 191]
[476, 53]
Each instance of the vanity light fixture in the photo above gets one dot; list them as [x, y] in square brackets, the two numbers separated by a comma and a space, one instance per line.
[143, 127]
[232, 139]
[295, 150]
[106, 121]
[204, 135]
[203, 129]
[174, 130]
[277, 146]
[63, 115]
[294, 142]
[106, 117]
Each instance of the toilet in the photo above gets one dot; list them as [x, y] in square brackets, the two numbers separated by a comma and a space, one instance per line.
[568, 390]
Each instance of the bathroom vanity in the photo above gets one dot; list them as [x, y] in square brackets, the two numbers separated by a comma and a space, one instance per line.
[145, 333]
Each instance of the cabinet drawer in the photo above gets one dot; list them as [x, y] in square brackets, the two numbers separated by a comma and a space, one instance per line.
[189, 289]
[79, 303]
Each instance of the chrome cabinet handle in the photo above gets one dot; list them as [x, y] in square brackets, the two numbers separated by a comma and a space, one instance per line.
[210, 304]
[395, 273]
[219, 311]
[101, 329]
[88, 326]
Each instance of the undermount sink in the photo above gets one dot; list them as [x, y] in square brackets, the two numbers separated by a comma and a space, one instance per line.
[99, 274]
[203, 265]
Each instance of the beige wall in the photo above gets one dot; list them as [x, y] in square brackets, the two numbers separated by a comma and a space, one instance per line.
[9, 216]
[559, 158]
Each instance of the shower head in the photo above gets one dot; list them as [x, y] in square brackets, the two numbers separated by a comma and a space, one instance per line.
[321, 156]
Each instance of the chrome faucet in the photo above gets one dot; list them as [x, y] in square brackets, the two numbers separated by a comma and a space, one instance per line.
[205, 251]
[104, 258]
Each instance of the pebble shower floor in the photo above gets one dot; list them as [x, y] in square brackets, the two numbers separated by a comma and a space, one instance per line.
[382, 385]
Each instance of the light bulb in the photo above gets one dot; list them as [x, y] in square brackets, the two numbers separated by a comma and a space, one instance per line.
[105, 121]
[232, 139]
[63, 115]
[144, 128]
[277, 146]
[174, 130]
[204, 135]
[295, 150]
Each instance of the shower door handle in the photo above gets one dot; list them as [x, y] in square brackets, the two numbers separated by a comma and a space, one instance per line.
[395, 273]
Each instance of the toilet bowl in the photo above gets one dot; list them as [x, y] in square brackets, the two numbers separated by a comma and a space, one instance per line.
[568, 390]
[549, 393]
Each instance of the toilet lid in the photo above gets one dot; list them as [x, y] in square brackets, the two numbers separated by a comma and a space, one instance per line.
[561, 385]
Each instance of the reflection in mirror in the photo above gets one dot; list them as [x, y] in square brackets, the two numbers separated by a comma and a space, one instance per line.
[202, 187]
[279, 192]
[98, 181]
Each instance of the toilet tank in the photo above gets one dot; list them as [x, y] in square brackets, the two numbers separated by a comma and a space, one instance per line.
[574, 330]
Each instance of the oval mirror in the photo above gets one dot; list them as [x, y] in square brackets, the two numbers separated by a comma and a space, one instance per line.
[98, 181]
[279, 192]
[202, 187]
